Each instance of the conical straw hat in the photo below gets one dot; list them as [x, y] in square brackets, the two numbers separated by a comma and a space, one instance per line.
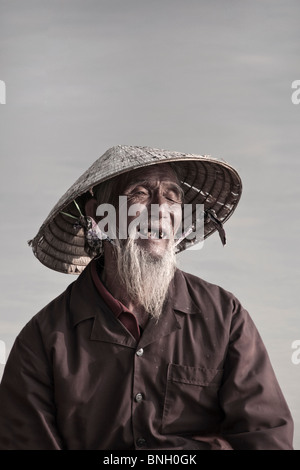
[60, 244]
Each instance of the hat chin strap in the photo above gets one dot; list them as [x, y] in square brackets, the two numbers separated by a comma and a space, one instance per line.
[211, 216]
[95, 237]
[185, 234]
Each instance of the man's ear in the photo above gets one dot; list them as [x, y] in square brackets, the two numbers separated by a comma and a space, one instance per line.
[91, 208]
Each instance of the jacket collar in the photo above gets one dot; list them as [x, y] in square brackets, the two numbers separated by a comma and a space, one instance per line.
[85, 303]
[180, 294]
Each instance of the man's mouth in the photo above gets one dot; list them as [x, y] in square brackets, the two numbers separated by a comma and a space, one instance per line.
[154, 233]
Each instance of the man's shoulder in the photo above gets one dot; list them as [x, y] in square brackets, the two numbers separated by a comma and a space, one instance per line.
[207, 295]
[51, 317]
[203, 285]
[78, 301]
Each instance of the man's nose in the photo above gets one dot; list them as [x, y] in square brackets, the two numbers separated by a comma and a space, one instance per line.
[158, 206]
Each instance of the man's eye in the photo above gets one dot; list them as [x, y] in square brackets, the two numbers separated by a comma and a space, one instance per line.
[174, 197]
[138, 193]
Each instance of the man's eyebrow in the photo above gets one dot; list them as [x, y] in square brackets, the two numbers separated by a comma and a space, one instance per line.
[137, 183]
[176, 188]
[170, 184]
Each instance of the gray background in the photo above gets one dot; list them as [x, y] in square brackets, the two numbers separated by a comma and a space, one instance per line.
[207, 77]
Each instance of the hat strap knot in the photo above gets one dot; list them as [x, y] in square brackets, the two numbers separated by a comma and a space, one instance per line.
[211, 215]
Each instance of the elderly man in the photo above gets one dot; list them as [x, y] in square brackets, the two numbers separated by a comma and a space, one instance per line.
[137, 354]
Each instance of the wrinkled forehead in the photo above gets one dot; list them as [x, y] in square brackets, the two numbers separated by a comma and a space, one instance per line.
[156, 173]
[109, 191]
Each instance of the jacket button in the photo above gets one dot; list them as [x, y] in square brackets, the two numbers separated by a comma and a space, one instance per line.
[140, 442]
[138, 397]
[140, 352]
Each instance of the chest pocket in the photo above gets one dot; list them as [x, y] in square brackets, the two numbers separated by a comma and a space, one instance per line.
[191, 400]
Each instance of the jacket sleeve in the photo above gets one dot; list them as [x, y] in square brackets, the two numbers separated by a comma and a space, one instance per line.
[256, 415]
[27, 410]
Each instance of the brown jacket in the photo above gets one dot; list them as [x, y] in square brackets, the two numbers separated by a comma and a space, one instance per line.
[200, 378]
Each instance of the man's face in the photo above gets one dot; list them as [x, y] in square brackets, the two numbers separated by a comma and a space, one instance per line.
[145, 266]
[151, 187]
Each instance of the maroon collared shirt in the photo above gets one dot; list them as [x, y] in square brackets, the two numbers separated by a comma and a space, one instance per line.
[198, 378]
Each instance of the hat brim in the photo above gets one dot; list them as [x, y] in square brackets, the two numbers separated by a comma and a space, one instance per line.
[60, 245]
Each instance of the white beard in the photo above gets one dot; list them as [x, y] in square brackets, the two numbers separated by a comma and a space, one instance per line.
[146, 278]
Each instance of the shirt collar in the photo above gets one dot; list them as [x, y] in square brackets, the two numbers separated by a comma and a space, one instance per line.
[113, 304]
[180, 294]
[86, 302]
